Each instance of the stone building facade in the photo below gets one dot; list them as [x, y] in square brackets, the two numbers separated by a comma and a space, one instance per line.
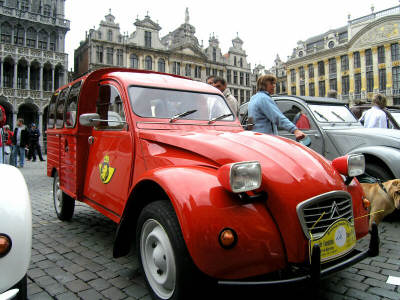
[179, 52]
[33, 62]
[358, 60]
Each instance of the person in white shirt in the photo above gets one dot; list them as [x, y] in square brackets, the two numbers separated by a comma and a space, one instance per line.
[375, 117]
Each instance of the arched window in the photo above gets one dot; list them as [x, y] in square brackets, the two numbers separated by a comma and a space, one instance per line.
[110, 35]
[99, 35]
[19, 34]
[53, 41]
[31, 37]
[161, 65]
[43, 37]
[241, 62]
[134, 61]
[148, 63]
[6, 33]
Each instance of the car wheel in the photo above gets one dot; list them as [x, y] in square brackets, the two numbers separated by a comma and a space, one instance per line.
[22, 287]
[163, 255]
[63, 204]
[377, 171]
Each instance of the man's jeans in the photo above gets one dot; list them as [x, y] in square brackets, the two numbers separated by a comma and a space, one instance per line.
[19, 151]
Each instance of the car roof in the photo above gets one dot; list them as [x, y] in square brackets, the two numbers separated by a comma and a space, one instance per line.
[313, 100]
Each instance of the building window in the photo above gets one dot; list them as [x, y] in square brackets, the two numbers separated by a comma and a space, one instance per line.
[247, 95]
[176, 68]
[235, 93]
[147, 39]
[370, 81]
[344, 63]
[53, 41]
[208, 70]
[110, 54]
[234, 60]
[221, 73]
[301, 73]
[382, 80]
[197, 71]
[99, 54]
[43, 37]
[6, 33]
[368, 57]
[110, 35]
[394, 48]
[214, 72]
[119, 57]
[321, 88]
[302, 90]
[357, 61]
[47, 10]
[99, 35]
[333, 84]
[31, 37]
[321, 68]
[235, 77]
[310, 71]
[284, 87]
[345, 85]
[247, 79]
[293, 90]
[278, 88]
[241, 62]
[241, 78]
[161, 65]
[241, 96]
[148, 63]
[24, 5]
[311, 89]
[292, 75]
[357, 84]
[188, 70]
[332, 66]
[229, 76]
[134, 62]
[396, 80]
[214, 54]
[19, 33]
[381, 55]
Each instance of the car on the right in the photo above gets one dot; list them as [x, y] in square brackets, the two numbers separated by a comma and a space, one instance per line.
[334, 131]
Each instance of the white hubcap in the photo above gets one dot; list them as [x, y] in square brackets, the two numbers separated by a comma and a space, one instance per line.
[57, 195]
[158, 259]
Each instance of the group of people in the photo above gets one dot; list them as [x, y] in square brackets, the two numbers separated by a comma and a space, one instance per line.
[14, 144]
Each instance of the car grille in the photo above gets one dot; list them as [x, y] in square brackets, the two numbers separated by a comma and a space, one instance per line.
[331, 206]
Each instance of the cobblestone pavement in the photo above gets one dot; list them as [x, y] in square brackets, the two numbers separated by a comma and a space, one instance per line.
[73, 260]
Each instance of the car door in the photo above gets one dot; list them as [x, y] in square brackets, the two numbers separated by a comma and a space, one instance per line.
[110, 160]
[299, 116]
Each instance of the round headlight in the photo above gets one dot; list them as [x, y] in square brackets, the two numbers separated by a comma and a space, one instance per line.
[5, 244]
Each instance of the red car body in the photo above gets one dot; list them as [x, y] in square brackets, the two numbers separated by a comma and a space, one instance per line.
[152, 158]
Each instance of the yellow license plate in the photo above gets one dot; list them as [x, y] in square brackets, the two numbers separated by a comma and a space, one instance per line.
[337, 240]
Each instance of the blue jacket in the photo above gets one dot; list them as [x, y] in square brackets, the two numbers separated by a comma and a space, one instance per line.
[266, 115]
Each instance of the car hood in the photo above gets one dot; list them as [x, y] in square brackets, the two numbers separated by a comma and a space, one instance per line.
[348, 139]
[291, 173]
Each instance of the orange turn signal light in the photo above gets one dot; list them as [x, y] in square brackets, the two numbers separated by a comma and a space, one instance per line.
[5, 245]
[366, 203]
[227, 238]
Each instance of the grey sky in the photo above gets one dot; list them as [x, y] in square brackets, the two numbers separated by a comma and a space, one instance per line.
[267, 28]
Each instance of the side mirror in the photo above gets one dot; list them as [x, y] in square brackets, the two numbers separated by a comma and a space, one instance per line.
[89, 120]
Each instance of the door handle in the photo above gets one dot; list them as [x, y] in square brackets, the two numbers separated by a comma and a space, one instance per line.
[90, 140]
[317, 135]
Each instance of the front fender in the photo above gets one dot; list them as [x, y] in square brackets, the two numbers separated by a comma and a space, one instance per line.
[390, 156]
[204, 208]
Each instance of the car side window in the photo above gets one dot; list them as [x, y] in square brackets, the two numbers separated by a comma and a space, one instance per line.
[72, 105]
[51, 120]
[110, 107]
[297, 114]
[60, 108]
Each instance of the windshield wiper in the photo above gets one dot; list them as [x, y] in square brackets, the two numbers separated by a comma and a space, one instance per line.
[186, 113]
[219, 118]
[339, 117]
[321, 116]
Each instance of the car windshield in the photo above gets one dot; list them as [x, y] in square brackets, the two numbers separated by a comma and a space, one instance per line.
[332, 113]
[173, 104]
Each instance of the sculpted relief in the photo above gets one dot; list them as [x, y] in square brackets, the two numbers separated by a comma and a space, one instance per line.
[380, 33]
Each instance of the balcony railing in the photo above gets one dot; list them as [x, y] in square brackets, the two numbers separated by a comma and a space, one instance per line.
[379, 14]
[21, 93]
[33, 52]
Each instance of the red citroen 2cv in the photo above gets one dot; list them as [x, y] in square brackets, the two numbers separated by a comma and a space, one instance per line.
[165, 158]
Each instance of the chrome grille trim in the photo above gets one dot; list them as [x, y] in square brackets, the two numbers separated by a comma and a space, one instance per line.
[311, 209]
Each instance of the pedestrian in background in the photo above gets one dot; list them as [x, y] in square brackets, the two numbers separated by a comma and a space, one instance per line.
[7, 140]
[220, 84]
[210, 79]
[375, 117]
[34, 144]
[265, 114]
[20, 140]
[356, 109]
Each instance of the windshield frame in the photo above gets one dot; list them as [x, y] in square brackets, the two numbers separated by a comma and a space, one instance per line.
[320, 119]
[167, 119]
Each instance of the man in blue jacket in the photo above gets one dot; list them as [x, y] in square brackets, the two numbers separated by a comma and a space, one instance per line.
[265, 114]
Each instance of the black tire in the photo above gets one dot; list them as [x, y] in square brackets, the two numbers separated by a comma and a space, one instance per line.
[23, 290]
[161, 215]
[378, 171]
[64, 205]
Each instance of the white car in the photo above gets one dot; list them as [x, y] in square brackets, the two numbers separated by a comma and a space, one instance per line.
[15, 233]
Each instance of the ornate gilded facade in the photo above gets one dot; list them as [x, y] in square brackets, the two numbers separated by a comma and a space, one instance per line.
[358, 60]
[33, 61]
[179, 52]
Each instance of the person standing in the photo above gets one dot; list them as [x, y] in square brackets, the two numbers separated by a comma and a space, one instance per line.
[20, 140]
[375, 117]
[265, 114]
[220, 84]
[34, 143]
[7, 139]
[210, 80]
[356, 108]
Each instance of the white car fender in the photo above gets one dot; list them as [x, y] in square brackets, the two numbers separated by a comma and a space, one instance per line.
[16, 223]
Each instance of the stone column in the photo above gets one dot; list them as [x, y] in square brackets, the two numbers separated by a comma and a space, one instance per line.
[40, 123]
[52, 78]
[15, 75]
[65, 79]
[41, 81]
[1, 73]
[29, 76]
[14, 122]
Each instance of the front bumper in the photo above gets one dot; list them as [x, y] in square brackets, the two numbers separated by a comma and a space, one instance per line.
[315, 272]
